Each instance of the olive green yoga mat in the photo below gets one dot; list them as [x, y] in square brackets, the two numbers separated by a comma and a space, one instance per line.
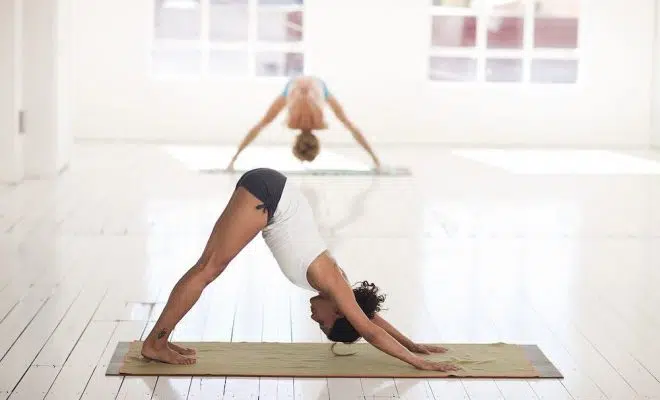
[495, 360]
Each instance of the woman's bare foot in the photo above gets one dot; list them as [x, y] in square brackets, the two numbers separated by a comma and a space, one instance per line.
[185, 351]
[165, 354]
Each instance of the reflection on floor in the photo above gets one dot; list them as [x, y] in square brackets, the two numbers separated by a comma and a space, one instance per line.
[467, 251]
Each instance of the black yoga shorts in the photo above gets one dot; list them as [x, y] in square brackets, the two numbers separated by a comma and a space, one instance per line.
[265, 184]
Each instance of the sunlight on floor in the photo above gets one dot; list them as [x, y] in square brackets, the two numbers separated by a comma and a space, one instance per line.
[571, 162]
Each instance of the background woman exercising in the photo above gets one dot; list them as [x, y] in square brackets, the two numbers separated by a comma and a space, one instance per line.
[266, 201]
[304, 98]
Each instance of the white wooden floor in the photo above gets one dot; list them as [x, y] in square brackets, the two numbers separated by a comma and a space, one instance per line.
[467, 249]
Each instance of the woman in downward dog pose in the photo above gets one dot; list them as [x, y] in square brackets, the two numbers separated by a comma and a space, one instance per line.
[265, 201]
[304, 98]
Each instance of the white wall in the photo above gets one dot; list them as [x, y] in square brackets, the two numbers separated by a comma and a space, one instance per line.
[46, 52]
[11, 143]
[374, 57]
[655, 87]
[64, 98]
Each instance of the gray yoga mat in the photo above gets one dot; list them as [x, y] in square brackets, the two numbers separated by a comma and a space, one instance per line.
[388, 171]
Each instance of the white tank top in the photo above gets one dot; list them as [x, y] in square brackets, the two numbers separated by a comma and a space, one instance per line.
[293, 236]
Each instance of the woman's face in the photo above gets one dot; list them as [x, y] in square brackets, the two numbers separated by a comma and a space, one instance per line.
[324, 312]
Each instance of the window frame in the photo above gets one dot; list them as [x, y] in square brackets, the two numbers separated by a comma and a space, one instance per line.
[252, 45]
[480, 52]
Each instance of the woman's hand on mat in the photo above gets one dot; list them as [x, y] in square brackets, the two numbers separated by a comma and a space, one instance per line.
[426, 348]
[377, 166]
[428, 365]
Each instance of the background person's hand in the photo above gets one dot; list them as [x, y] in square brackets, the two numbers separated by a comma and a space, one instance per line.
[230, 167]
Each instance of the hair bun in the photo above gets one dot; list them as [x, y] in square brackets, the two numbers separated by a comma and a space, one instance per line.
[367, 296]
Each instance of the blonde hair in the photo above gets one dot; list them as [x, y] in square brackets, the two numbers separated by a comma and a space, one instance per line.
[305, 111]
[306, 147]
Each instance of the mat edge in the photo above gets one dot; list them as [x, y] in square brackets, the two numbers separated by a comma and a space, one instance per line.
[117, 359]
[541, 362]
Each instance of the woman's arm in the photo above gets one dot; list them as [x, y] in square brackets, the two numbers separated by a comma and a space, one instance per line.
[405, 341]
[275, 108]
[336, 286]
[341, 116]
[342, 294]
[400, 337]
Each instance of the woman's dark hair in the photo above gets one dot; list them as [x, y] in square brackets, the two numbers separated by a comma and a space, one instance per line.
[367, 297]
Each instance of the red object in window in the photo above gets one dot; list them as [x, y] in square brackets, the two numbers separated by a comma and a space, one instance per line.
[294, 18]
[556, 33]
[469, 37]
[453, 31]
[505, 33]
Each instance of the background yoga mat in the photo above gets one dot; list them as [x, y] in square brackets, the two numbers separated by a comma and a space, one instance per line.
[496, 360]
[386, 171]
[214, 160]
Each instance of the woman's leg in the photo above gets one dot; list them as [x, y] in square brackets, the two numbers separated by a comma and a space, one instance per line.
[239, 223]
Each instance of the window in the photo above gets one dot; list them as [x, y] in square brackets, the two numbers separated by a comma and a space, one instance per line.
[227, 38]
[504, 41]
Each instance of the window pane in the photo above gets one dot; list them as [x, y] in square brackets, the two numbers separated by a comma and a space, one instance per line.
[452, 69]
[556, 24]
[503, 70]
[228, 22]
[279, 64]
[179, 20]
[278, 26]
[557, 8]
[453, 31]
[176, 62]
[280, 2]
[228, 63]
[505, 32]
[556, 33]
[452, 3]
[554, 71]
